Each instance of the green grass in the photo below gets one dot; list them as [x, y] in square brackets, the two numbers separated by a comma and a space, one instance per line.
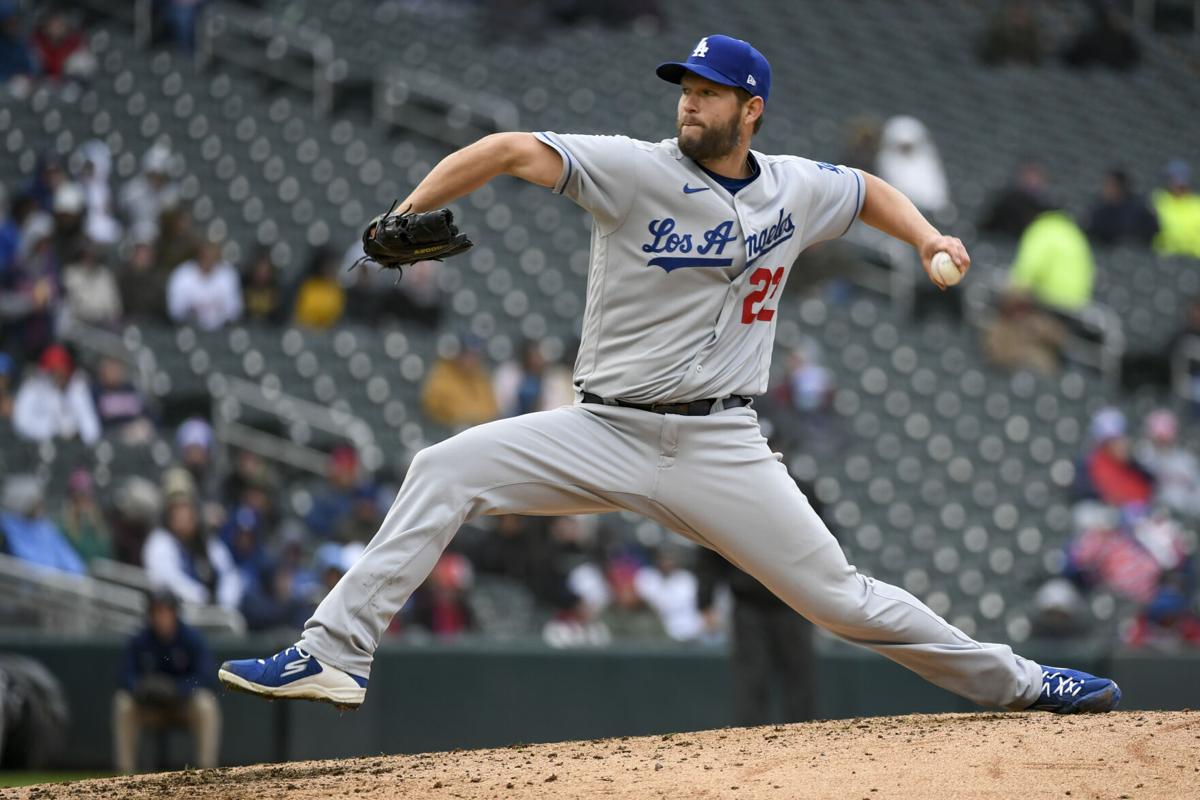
[20, 778]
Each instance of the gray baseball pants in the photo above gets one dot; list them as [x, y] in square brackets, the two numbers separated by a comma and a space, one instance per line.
[712, 479]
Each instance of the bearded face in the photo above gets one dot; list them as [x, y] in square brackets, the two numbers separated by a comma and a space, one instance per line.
[703, 141]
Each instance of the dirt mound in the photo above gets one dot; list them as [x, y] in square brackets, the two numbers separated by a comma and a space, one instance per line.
[1130, 755]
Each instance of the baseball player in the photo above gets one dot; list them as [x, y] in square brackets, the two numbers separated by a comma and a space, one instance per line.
[692, 241]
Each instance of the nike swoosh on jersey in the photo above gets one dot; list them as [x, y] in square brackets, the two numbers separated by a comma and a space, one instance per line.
[689, 190]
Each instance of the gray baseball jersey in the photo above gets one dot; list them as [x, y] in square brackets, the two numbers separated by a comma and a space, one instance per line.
[685, 277]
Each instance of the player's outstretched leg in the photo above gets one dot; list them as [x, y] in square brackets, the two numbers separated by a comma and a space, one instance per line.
[572, 460]
[727, 490]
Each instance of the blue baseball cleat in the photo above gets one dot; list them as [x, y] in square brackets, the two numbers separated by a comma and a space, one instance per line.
[294, 674]
[1069, 691]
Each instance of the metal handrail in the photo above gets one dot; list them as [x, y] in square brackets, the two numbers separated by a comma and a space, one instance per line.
[277, 40]
[427, 103]
[1184, 357]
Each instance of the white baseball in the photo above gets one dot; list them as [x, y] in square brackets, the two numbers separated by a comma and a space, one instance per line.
[943, 268]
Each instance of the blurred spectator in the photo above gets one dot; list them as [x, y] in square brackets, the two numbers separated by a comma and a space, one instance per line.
[626, 616]
[55, 401]
[184, 557]
[137, 505]
[60, 48]
[511, 546]
[1107, 41]
[16, 54]
[1023, 336]
[143, 286]
[1010, 212]
[82, 521]
[418, 297]
[91, 288]
[7, 370]
[1119, 215]
[329, 563]
[320, 300]
[101, 225]
[120, 406]
[530, 384]
[860, 147]
[205, 292]
[1059, 611]
[1054, 263]
[28, 534]
[337, 510]
[1110, 473]
[671, 591]
[70, 206]
[909, 160]
[10, 236]
[196, 445]
[146, 197]
[182, 18]
[177, 239]
[48, 176]
[1101, 554]
[439, 605]
[373, 294]
[772, 644]
[166, 682]
[1175, 470]
[1013, 35]
[1178, 209]
[1169, 620]
[458, 390]
[252, 482]
[28, 301]
[262, 295]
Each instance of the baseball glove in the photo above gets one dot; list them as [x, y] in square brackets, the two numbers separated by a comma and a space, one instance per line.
[393, 240]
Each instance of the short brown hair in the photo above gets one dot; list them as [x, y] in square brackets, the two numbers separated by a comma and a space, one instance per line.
[743, 98]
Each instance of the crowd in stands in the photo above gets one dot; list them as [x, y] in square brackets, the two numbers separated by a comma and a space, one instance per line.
[1136, 507]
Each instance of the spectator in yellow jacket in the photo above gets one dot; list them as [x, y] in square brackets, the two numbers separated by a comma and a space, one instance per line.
[458, 392]
[320, 299]
[1054, 262]
[1178, 209]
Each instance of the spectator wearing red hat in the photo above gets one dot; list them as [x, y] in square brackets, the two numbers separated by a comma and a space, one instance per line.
[440, 605]
[55, 402]
[337, 512]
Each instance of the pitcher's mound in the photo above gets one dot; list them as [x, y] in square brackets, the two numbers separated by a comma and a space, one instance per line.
[1131, 755]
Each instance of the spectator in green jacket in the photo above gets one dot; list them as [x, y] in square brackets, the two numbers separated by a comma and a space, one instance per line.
[1178, 209]
[1054, 262]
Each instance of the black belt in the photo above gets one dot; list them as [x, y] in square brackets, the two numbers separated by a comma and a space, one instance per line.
[696, 408]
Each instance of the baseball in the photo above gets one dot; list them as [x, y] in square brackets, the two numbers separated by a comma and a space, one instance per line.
[942, 267]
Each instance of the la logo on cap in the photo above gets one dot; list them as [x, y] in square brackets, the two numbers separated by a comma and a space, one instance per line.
[701, 49]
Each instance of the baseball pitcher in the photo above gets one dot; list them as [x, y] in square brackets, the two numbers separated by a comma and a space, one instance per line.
[692, 241]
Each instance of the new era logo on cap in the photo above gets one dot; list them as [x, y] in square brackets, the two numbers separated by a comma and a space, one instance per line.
[722, 59]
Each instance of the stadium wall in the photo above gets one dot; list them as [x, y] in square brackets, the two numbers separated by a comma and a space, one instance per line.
[447, 696]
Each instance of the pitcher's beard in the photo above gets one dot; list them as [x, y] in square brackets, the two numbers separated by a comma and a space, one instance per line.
[713, 141]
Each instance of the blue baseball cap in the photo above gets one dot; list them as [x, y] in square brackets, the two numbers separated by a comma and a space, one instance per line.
[725, 60]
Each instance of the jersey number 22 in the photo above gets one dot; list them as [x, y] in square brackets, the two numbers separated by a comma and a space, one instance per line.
[767, 282]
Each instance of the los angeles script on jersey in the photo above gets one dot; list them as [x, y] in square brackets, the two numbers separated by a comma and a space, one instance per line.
[707, 249]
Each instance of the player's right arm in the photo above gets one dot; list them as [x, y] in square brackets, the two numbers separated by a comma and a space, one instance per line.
[521, 155]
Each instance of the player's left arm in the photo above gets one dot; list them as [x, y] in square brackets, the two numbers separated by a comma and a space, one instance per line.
[885, 207]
